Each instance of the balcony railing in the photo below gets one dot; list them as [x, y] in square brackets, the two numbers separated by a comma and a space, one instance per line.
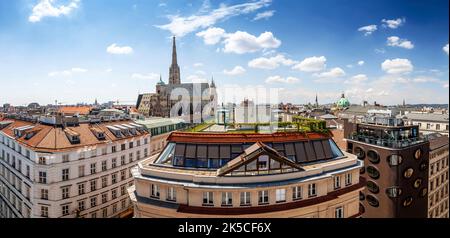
[390, 143]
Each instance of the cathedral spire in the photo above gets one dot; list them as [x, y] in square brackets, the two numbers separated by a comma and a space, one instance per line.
[174, 74]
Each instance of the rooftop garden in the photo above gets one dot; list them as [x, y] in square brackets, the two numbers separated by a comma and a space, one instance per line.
[299, 124]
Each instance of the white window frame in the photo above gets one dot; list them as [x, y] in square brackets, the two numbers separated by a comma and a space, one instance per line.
[280, 195]
[263, 197]
[171, 194]
[209, 197]
[297, 193]
[227, 199]
[154, 191]
[337, 181]
[245, 198]
[339, 212]
[312, 190]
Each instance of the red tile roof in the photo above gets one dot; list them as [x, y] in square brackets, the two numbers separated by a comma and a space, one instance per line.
[52, 139]
[82, 110]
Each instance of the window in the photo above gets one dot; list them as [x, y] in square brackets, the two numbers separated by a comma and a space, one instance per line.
[296, 193]
[28, 171]
[263, 162]
[44, 194]
[81, 189]
[122, 147]
[104, 198]
[245, 199]
[43, 177]
[122, 160]
[339, 212]
[42, 160]
[348, 179]
[104, 151]
[130, 145]
[395, 160]
[208, 199]
[155, 191]
[105, 212]
[408, 201]
[93, 168]
[104, 182]
[65, 192]
[130, 157]
[114, 208]
[113, 163]
[123, 203]
[114, 194]
[81, 171]
[114, 178]
[81, 206]
[138, 154]
[337, 182]
[373, 187]
[122, 190]
[93, 185]
[408, 173]
[123, 175]
[65, 158]
[312, 190]
[44, 211]
[93, 201]
[280, 195]
[393, 192]
[104, 167]
[372, 200]
[418, 154]
[227, 199]
[373, 172]
[81, 155]
[263, 197]
[113, 149]
[360, 153]
[373, 157]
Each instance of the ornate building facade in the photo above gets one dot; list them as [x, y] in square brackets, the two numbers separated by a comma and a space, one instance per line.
[167, 99]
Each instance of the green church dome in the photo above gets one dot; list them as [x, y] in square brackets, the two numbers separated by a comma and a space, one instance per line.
[343, 102]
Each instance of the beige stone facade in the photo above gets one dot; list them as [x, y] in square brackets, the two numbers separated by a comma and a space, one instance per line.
[438, 184]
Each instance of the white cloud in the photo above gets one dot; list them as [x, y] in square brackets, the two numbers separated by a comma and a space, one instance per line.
[397, 66]
[445, 49]
[198, 64]
[333, 73]
[380, 51]
[47, 8]
[361, 63]
[357, 79]
[242, 42]
[181, 26]
[395, 41]
[108, 70]
[270, 63]
[368, 30]
[279, 79]
[238, 70]
[264, 15]
[425, 79]
[312, 64]
[67, 73]
[393, 24]
[162, 4]
[212, 36]
[200, 72]
[445, 85]
[119, 50]
[150, 76]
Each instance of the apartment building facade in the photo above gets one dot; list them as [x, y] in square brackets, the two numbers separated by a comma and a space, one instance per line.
[68, 171]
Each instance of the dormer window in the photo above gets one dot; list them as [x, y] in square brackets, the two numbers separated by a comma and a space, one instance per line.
[73, 136]
[100, 134]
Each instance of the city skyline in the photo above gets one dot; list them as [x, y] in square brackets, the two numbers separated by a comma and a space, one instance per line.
[78, 51]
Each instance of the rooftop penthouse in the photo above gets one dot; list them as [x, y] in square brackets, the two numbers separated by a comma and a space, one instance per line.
[383, 129]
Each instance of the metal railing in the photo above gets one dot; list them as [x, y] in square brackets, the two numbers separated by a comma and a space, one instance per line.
[390, 143]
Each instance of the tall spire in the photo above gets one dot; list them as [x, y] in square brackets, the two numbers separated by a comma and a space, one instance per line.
[317, 100]
[213, 84]
[174, 72]
[174, 52]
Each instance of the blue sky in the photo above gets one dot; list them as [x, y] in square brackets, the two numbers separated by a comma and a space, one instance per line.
[78, 50]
